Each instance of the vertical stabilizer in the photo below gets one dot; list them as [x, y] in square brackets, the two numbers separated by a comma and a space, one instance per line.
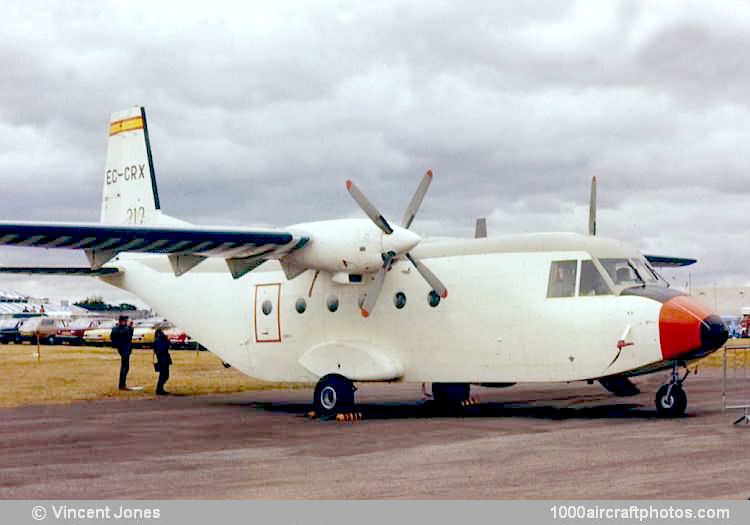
[130, 194]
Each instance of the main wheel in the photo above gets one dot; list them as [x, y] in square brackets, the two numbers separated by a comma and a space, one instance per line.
[450, 393]
[333, 394]
[671, 403]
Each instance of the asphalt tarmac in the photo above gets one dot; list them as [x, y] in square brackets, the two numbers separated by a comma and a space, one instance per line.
[555, 441]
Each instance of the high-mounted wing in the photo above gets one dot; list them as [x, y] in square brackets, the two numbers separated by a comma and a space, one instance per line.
[57, 270]
[186, 246]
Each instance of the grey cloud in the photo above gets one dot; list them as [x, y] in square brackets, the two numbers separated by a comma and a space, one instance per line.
[259, 113]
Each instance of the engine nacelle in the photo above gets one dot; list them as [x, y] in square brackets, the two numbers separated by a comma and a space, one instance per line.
[348, 245]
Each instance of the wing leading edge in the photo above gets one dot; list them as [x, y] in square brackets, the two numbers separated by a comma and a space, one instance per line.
[186, 246]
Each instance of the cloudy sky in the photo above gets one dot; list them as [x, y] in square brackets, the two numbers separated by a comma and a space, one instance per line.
[258, 114]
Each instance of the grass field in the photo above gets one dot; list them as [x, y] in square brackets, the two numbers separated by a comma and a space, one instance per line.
[65, 374]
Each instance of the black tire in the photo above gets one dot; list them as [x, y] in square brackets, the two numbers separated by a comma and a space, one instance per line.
[672, 405]
[334, 394]
[450, 393]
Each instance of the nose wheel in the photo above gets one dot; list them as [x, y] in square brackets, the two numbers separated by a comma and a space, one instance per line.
[671, 400]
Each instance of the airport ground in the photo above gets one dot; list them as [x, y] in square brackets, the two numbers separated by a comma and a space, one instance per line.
[70, 434]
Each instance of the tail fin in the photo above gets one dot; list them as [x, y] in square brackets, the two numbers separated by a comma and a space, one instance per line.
[130, 194]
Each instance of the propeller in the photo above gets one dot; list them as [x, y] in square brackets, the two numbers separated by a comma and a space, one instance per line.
[397, 237]
[592, 207]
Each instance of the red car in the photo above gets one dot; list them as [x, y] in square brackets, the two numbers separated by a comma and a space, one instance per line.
[178, 338]
[73, 333]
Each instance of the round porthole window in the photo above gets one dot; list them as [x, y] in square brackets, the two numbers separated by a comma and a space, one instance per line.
[433, 298]
[266, 307]
[332, 303]
[300, 305]
[399, 300]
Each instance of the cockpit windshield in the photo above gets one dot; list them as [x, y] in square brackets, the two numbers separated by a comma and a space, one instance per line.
[645, 271]
[622, 272]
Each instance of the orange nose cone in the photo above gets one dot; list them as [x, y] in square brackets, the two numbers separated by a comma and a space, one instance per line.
[688, 327]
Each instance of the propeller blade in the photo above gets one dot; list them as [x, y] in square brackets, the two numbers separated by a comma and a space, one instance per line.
[480, 228]
[370, 210]
[428, 276]
[592, 207]
[416, 200]
[372, 293]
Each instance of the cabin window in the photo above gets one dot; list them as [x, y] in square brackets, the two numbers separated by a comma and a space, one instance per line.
[399, 300]
[266, 307]
[332, 303]
[562, 279]
[592, 282]
[433, 298]
[300, 305]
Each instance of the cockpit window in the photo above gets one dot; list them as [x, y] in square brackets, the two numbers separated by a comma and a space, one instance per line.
[644, 271]
[622, 272]
[562, 279]
[592, 282]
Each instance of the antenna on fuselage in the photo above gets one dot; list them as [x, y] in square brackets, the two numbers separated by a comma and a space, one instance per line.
[592, 207]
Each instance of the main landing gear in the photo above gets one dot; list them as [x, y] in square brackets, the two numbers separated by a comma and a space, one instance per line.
[334, 394]
[671, 400]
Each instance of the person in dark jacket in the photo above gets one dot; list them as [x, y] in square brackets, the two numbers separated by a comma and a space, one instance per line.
[122, 339]
[163, 360]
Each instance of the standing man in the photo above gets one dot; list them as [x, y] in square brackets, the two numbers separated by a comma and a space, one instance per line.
[163, 360]
[122, 339]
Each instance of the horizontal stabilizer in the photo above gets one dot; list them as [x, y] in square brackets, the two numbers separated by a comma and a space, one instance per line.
[57, 270]
[661, 261]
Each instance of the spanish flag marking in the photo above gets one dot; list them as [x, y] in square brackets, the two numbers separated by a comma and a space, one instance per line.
[128, 124]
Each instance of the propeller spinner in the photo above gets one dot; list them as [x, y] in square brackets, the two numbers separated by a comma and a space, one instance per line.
[396, 241]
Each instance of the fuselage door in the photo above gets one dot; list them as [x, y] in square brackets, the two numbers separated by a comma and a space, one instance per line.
[267, 315]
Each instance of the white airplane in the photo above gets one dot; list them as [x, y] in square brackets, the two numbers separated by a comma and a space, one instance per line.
[345, 301]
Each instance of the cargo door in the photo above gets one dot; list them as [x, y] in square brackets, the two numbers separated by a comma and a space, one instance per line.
[267, 315]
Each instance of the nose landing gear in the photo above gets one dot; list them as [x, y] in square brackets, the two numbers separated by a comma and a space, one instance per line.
[671, 400]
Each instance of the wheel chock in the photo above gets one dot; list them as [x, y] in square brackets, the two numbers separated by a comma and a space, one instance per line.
[348, 417]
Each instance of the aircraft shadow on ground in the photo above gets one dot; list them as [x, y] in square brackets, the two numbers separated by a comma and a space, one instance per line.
[427, 409]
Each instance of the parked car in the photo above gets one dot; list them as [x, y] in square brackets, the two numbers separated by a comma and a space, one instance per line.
[144, 332]
[73, 333]
[180, 339]
[100, 334]
[9, 330]
[45, 328]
